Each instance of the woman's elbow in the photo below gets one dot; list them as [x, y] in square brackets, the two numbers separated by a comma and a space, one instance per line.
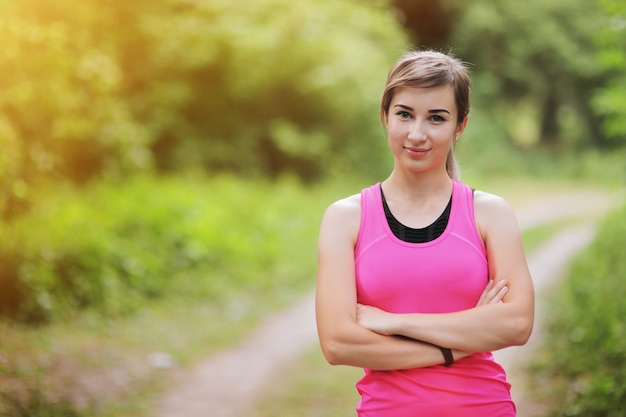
[521, 331]
[333, 352]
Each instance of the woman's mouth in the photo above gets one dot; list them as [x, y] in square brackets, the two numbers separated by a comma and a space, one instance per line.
[416, 152]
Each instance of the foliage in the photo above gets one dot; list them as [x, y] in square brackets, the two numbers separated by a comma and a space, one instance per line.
[98, 89]
[585, 349]
[61, 114]
[535, 67]
[483, 157]
[610, 100]
[116, 245]
[299, 83]
[95, 89]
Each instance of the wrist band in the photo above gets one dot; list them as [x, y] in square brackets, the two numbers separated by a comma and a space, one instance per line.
[447, 356]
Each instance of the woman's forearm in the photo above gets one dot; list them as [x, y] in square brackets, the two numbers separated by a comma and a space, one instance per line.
[483, 328]
[365, 349]
[491, 325]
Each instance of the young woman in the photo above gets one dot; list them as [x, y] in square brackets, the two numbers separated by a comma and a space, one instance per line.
[420, 277]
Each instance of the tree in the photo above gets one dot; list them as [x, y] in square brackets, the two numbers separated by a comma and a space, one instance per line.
[540, 56]
[609, 100]
[269, 87]
[61, 111]
[430, 23]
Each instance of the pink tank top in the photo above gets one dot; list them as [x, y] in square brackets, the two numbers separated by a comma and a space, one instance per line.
[444, 275]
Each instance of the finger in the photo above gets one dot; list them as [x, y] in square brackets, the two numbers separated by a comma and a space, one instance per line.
[497, 288]
[498, 295]
[498, 298]
[485, 293]
[495, 294]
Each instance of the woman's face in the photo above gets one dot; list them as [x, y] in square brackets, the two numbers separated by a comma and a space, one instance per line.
[421, 126]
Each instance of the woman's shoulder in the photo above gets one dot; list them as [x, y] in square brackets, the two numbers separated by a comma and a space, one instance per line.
[346, 207]
[351, 205]
[488, 200]
[492, 209]
[484, 201]
[346, 212]
[341, 221]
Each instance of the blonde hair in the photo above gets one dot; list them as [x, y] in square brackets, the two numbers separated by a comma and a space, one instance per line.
[425, 69]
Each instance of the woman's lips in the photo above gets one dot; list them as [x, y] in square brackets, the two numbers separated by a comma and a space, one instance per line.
[416, 152]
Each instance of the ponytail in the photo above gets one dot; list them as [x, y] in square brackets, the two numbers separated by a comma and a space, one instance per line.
[452, 166]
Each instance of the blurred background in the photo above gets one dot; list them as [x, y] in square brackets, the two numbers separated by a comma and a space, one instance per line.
[168, 159]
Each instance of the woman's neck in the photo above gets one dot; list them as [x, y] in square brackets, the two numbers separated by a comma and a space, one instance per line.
[418, 187]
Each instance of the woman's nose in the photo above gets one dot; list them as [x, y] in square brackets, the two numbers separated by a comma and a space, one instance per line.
[416, 131]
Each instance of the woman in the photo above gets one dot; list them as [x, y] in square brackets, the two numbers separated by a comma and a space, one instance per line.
[419, 276]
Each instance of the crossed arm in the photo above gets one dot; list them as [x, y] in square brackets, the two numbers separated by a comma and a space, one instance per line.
[363, 336]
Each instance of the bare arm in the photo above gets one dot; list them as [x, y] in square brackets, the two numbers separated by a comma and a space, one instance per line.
[490, 326]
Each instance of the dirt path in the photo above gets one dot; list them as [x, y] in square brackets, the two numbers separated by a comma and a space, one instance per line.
[226, 385]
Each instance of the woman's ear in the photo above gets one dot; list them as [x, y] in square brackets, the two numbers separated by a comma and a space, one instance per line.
[461, 127]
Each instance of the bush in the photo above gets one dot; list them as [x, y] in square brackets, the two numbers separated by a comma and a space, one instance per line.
[585, 348]
[114, 246]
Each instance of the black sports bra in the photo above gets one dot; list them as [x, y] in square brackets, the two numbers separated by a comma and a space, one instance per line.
[422, 235]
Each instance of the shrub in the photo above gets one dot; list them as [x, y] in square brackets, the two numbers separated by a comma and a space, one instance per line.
[114, 246]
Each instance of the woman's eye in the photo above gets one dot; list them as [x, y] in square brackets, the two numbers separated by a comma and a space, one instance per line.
[437, 118]
[404, 114]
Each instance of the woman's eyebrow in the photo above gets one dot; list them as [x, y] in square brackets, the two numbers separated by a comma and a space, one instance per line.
[403, 106]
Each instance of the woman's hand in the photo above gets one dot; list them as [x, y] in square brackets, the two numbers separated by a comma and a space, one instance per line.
[493, 294]
[375, 319]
